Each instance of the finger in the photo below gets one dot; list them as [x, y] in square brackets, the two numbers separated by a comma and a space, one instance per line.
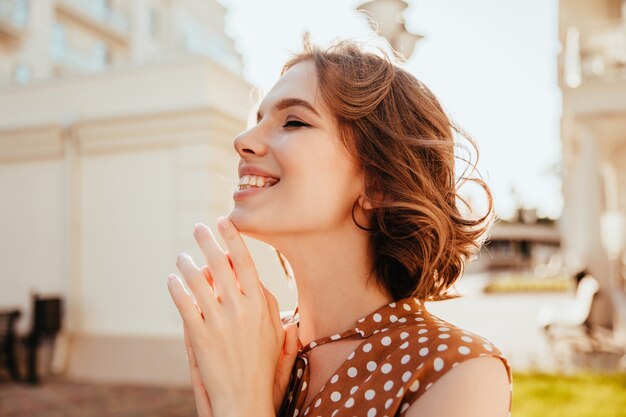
[203, 405]
[209, 278]
[198, 308]
[272, 307]
[197, 283]
[290, 347]
[230, 261]
[288, 357]
[243, 264]
[190, 355]
[217, 263]
[184, 303]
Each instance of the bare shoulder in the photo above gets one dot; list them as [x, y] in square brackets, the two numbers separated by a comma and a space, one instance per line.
[479, 387]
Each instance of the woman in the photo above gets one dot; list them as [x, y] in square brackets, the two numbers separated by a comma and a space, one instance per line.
[349, 174]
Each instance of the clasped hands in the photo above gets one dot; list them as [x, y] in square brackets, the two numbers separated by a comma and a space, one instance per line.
[240, 355]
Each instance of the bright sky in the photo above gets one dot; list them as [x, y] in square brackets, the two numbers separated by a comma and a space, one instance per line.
[491, 63]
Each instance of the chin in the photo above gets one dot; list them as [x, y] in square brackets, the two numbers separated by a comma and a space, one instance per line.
[248, 225]
[264, 225]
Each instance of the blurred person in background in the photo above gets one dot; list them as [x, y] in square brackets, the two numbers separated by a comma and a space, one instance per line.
[349, 173]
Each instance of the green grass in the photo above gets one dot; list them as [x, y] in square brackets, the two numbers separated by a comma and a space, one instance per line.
[580, 395]
[507, 283]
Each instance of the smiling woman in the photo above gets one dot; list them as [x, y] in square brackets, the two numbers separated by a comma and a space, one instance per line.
[349, 173]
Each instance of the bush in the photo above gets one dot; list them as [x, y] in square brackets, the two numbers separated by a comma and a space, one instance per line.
[580, 395]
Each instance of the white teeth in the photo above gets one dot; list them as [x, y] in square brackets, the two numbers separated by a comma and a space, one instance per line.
[246, 186]
[256, 180]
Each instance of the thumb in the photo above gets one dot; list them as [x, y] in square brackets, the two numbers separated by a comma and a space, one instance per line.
[287, 358]
[272, 305]
[290, 348]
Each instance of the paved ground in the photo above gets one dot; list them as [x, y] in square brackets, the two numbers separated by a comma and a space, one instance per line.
[59, 398]
[511, 322]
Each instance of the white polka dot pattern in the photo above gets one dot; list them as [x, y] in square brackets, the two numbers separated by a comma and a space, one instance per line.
[404, 352]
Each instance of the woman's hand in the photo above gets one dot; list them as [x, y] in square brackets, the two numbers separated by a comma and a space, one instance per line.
[288, 354]
[285, 364]
[203, 404]
[234, 331]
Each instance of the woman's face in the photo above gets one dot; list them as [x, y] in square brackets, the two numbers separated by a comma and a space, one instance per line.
[295, 141]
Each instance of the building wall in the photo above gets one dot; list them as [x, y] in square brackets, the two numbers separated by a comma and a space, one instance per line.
[100, 193]
[32, 231]
[592, 129]
[116, 138]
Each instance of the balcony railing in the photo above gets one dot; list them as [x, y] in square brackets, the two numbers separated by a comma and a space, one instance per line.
[595, 53]
[211, 45]
[13, 15]
[98, 16]
[73, 58]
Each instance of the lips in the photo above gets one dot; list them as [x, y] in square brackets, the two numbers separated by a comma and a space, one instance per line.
[255, 170]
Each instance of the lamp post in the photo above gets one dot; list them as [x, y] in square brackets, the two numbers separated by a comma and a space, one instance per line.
[388, 21]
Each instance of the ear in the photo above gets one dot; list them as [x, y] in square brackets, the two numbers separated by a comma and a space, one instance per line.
[364, 202]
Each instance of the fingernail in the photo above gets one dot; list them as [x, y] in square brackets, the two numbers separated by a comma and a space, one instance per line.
[171, 277]
[199, 227]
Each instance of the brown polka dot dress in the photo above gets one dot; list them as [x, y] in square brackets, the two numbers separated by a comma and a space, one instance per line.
[404, 351]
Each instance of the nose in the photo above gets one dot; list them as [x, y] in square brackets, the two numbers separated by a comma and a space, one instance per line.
[250, 142]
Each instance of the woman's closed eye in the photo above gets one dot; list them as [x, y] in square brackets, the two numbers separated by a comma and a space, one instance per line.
[295, 123]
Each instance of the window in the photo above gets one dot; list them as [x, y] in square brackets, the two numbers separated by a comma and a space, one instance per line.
[101, 55]
[194, 38]
[20, 12]
[21, 73]
[153, 23]
[58, 40]
[102, 8]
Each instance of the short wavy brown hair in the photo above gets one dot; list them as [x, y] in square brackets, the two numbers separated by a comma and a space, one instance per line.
[398, 133]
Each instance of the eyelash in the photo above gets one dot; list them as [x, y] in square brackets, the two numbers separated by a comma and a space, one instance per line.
[300, 124]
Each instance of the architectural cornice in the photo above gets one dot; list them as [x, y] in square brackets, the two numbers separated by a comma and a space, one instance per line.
[120, 134]
[35, 143]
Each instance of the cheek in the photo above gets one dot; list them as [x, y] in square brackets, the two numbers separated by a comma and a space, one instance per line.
[326, 193]
[320, 180]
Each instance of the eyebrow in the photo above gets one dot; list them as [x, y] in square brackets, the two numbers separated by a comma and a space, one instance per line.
[291, 102]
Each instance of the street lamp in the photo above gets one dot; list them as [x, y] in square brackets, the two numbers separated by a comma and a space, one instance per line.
[388, 21]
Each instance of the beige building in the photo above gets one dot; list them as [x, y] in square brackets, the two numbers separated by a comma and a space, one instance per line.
[592, 77]
[116, 127]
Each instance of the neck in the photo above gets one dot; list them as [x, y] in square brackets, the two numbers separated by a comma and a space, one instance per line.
[333, 292]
